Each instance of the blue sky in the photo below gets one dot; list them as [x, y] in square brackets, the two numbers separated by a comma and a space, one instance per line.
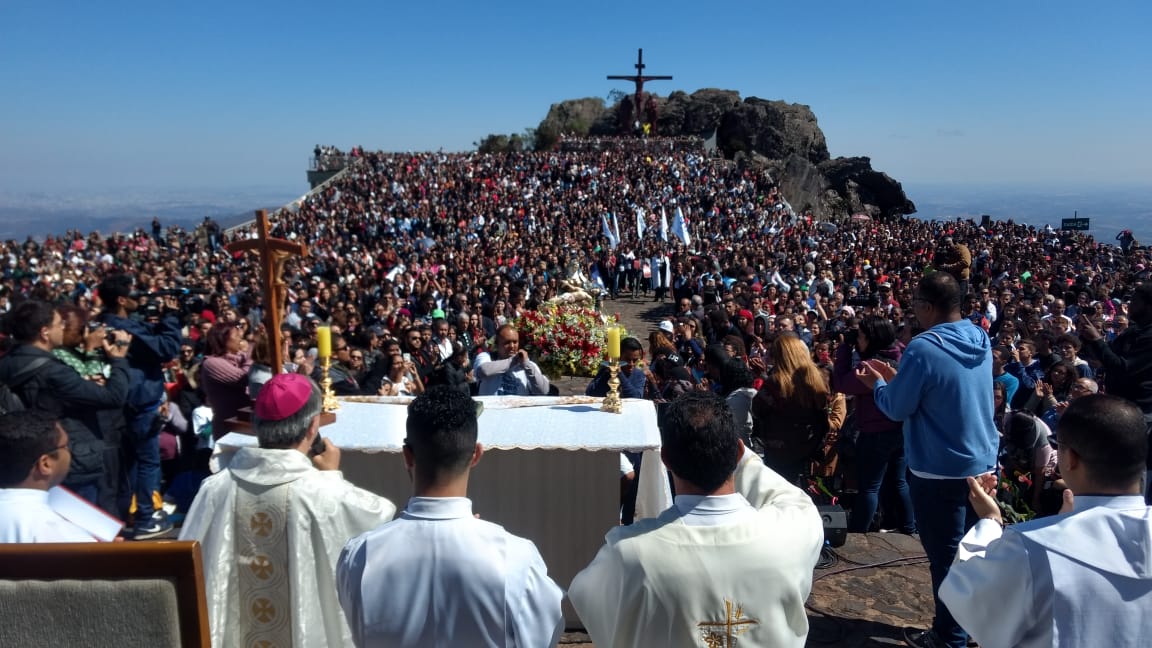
[224, 95]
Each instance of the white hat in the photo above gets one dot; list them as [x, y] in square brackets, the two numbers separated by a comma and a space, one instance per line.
[848, 310]
[667, 327]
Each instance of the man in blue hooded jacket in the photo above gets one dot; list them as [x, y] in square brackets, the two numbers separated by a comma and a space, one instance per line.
[152, 345]
[943, 394]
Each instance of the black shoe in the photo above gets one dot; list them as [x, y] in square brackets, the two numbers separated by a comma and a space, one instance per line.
[156, 526]
[918, 638]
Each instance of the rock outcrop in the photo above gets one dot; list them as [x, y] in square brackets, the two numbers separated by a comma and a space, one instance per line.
[774, 137]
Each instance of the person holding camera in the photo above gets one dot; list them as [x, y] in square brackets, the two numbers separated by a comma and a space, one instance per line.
[43, 382]
[151, 346]
[278, 512]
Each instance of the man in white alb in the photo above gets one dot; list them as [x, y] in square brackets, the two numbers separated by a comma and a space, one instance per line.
[715, 569]
[437, 575]
[272, 524]
[1081, 578]
[34, 457]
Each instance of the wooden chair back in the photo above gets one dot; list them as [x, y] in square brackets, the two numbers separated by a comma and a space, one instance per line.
[85, 569]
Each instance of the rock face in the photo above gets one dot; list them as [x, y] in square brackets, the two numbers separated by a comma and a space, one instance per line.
[696, 114]
[774, 137]
[774, 129]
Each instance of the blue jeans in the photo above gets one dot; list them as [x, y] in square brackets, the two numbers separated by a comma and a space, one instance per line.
[141, 463]
[943, 516]
[879, 454]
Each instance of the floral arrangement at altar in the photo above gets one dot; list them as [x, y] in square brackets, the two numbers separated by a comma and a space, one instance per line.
[564, 339]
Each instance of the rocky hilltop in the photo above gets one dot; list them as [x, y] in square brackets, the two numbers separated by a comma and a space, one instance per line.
[774, 137]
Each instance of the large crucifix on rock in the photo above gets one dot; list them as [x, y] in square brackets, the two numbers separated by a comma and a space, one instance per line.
[639, 78]
[273, 253]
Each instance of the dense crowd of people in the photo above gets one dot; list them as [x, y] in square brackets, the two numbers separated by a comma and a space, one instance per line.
[820, 336]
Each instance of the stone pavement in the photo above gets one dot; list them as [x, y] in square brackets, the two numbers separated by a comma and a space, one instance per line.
[852, 605]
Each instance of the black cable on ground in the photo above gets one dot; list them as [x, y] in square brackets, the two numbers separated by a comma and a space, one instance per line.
[895, 562]
[828, 558]
[857, 566]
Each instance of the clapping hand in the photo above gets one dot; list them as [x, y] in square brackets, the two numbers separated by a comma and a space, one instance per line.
[982, 502]
[1043, 389]
[871, 372]
[1068, 503]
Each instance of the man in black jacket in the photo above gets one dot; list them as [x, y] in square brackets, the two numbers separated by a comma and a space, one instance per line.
[152, 345]
[1127, 360]
[45, 383]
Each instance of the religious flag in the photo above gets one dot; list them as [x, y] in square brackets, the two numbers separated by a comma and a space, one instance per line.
[680, 227]
[608, 232]
[663, 225]
[640, 223]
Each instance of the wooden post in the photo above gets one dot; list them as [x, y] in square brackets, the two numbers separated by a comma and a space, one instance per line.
[273, 253]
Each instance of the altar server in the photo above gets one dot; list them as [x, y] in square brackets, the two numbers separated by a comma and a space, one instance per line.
[272, 524]
[715, 569]
[438, 575]
[1081, 578]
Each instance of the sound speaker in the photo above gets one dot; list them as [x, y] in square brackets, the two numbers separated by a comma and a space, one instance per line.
[835, 524]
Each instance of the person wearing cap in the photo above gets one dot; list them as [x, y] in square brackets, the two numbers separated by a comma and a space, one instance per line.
[438, 575]
[272, 523]
[1081, 578]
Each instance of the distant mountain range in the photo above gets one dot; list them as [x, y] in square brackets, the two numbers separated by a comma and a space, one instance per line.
[1109, 209]
[37, 214]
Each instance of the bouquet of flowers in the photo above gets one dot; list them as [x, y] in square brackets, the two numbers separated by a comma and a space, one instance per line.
[564, 339]
[1014, 495]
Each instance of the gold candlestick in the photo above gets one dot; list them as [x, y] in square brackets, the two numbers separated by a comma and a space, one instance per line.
[330, 402]
[612, 399]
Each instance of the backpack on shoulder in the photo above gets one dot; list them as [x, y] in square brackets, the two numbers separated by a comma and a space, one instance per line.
[10, 401]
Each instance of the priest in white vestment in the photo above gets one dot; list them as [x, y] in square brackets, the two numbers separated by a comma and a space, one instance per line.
[730, 564]
[272, 523]
[1081, 578]
[437, 575]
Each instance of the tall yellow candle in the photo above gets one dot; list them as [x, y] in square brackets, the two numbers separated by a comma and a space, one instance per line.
[614, 343]
[324, 341]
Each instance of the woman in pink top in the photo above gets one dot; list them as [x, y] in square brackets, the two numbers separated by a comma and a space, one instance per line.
[224, 374]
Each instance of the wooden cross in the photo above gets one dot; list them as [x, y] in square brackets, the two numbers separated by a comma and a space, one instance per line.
[639, 78]
[273, 253]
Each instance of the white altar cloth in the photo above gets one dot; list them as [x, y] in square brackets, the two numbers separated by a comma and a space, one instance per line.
[374, 427]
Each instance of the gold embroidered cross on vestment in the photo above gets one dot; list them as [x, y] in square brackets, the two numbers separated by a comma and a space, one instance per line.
[722, 634]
